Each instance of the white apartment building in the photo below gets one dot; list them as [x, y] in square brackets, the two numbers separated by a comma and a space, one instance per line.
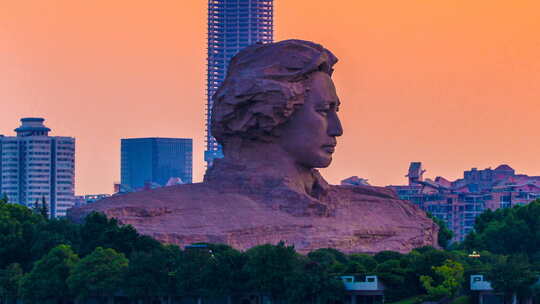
[34, 166]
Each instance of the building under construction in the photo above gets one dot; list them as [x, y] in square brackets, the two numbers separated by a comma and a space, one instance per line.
[232, 25]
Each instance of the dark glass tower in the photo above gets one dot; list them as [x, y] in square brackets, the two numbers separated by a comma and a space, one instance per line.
[155, 160]
[232, 25]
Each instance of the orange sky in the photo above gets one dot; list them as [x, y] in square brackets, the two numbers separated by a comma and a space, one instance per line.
[452, 83]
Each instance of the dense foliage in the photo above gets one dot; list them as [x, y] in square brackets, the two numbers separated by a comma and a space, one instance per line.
[451, 273]
[47, 280]
[508, 231]
[513, 275]
[54, 260]
[445, 235]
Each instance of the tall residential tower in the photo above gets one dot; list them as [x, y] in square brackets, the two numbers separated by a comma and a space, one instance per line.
[232, 25]
[36, 166]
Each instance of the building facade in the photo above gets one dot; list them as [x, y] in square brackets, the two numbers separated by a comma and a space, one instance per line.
[232, 26]
[155, 161]
[36, 166]
[459, 202]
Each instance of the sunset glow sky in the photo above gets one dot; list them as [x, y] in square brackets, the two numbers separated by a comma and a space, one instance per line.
[452, 83]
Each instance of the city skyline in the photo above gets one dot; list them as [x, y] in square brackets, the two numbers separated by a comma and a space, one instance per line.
[459, 202]
[451, 84]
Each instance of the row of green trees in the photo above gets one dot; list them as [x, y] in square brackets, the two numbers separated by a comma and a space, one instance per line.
[511, 237]
[54, 260]
[508, 231]
[44, 260]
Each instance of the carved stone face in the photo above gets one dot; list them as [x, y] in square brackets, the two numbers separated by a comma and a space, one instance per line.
[309, 137]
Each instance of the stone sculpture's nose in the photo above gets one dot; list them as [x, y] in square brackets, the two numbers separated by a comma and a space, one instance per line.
[334, 125]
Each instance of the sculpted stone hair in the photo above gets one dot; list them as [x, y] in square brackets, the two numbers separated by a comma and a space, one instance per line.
[263, 86]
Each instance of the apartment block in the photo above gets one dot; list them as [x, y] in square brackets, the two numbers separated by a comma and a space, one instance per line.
[35, 166]
[459, 202]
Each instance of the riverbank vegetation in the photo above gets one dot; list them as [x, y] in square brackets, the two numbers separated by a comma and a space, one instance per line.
[54, 260]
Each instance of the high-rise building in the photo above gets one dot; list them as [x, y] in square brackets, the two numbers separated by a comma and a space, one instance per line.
[155, 160]
[35, 166]
[232, 25]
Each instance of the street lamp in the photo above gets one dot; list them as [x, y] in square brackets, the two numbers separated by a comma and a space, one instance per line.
[474, 254]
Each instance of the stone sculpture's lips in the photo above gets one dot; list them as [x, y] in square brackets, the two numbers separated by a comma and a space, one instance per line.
[329, 148]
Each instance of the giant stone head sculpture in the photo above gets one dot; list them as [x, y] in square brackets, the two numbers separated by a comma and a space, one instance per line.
[280, 95]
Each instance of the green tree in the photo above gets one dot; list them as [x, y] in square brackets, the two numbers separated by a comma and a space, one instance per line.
[98, 274]
[190, 276]
[36, 206]
[513, 276]
[10, 279]
[47, 280]
[393, 275]
[44, 209]
[507, 231]
[18, 231]
[212, 270]
[54, 232]
[99, 231]
[149, 274]
[314, 283]
[451, 278]
[422, 260]
[269, 267]
[444, 237]
[481, 264]
[225, 274]
[361, 264]
[331, 259]
[385, 255]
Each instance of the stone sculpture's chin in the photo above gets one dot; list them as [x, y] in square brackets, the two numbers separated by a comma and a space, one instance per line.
[327, 162]
[322, 161]
[323, 164]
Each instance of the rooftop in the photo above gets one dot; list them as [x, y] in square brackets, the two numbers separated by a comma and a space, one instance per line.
[32, 126]
[504, 167]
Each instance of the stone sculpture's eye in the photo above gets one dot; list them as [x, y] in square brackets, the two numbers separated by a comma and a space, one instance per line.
[323, 112]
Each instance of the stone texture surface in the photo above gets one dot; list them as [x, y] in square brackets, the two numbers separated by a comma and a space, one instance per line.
[361, 218]
[276, 115]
